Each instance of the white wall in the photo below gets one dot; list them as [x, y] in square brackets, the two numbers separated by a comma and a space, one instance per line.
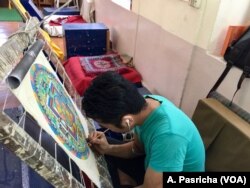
[171, 44]
[124, 3]
[179, 18]
[206, 28]
[207, 65]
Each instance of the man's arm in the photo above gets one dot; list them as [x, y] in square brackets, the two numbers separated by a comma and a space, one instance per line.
[127, 150]
[131, 149]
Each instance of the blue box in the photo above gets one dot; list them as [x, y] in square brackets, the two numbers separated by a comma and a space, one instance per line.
[64, 11]
[32, 9]
[86, 39]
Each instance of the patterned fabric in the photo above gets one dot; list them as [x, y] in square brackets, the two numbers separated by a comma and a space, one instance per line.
[94, 65]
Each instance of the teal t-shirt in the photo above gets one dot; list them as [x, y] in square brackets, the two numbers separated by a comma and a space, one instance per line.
[171, 140]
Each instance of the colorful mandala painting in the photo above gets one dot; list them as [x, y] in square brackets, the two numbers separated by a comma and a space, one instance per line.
[58, 111]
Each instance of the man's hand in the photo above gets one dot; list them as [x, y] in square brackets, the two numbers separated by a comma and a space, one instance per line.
[98, 142]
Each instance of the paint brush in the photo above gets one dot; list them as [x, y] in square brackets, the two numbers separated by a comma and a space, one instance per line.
[89, 141]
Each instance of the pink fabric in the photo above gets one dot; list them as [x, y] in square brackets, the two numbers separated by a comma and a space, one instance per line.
[81, 80]
[68, 19]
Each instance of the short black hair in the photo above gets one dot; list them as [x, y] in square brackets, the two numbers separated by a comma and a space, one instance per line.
[110, 96]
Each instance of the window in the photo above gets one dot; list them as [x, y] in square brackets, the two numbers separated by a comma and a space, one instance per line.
[124, 3]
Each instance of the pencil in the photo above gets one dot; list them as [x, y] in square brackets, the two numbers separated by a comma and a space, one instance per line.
[89, 141]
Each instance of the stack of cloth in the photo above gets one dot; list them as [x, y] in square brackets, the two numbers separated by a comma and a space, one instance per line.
[83, 69]
[53, 24]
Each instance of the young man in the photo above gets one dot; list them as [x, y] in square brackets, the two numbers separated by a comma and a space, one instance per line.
[166, 136]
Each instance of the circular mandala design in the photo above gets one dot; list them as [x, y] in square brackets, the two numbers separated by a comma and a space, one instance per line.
[102, 64]
[58, 111]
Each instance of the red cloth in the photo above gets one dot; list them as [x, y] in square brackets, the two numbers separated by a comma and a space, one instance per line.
[69, 19]
[81, 81]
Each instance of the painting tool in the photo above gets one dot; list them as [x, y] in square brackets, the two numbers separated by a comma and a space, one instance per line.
[89, 141]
